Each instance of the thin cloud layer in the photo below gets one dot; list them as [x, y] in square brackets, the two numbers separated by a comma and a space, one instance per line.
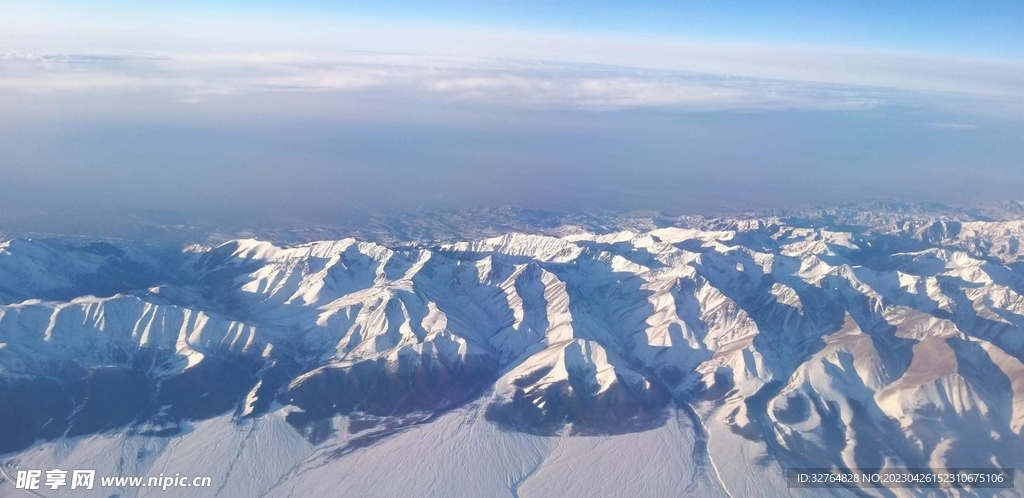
[194, 78]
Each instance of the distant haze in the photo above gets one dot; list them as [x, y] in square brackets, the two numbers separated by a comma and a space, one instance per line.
[319, 119]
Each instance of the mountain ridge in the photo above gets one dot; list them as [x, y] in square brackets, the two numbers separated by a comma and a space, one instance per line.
[896, 346]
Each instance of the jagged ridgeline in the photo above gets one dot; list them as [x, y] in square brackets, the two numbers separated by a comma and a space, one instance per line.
[794, 345]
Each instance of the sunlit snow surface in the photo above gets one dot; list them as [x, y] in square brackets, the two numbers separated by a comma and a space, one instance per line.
[458, 454]
[684, 360]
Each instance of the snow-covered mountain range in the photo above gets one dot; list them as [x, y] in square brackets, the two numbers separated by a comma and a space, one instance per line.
[704, 357]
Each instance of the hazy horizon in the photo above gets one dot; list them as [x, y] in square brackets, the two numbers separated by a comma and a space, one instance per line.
[316, 112]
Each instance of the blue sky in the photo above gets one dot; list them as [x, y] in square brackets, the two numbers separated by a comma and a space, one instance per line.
[988, 28]
[684, 107]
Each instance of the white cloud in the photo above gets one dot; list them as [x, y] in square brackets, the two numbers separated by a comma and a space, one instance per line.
[199, 77]
[192, 57]
[284, 38]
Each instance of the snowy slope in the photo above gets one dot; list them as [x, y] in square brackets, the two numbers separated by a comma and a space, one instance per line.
[632, 362]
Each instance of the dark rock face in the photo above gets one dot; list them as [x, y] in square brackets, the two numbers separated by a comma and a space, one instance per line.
[90, 401]
[375, 388]
[77, 402]
[797, 410]
[111, 397]
[81, 402]
[32, 409]
[619, 409]
[212, 387]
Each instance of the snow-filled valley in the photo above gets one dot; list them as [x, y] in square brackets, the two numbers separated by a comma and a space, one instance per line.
[701, 359]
